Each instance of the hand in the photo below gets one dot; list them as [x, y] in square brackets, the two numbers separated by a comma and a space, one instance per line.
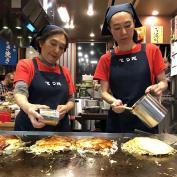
[117, 106]
[34, 116]
[154, 90]
[62, 109]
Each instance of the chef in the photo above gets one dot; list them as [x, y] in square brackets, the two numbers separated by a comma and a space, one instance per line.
[42, 83]
[129, 71]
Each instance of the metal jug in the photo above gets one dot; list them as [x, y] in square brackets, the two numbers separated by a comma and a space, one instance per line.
[149, 110]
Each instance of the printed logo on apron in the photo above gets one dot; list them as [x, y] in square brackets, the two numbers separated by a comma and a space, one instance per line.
[53, 83]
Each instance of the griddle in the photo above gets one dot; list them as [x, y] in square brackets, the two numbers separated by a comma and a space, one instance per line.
[71, 164]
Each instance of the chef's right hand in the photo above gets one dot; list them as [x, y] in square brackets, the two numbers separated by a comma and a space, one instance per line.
[34, 116]
[117, 106]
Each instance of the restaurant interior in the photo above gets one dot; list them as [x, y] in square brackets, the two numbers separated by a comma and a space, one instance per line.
[89, 149]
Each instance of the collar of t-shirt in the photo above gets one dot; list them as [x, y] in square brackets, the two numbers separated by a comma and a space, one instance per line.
[45, 62]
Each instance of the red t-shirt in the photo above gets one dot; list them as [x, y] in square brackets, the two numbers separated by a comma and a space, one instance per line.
[154, 56]
[25, 72]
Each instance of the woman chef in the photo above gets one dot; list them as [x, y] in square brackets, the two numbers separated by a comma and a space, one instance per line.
[41, 83]
[129, 71]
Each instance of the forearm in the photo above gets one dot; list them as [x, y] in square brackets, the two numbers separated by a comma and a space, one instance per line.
[22, 102]
[163, 84]
[157, 89]
[108, 97]
[70, 105]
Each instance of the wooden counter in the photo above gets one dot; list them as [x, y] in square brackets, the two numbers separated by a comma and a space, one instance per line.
[7, 125]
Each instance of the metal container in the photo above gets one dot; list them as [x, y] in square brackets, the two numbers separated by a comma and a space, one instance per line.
[149, 110]
[92, 109]
[92, 106]
[105, 105]
[91, 103]
[79, 105]
[51, 117]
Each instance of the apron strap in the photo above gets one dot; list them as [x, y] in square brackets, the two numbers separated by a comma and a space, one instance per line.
[143, 47]
[35, 63]
[61, 69]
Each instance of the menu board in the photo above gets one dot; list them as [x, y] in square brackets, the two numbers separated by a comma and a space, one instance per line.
[157, 34]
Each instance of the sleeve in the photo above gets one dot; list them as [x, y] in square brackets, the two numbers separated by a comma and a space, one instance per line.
[69, 81]
[24, 71]
[155, 60]
[103, 68]
[22, 88]
[158, 62]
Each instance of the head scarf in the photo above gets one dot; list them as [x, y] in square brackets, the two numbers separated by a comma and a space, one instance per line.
[127, 7]
[46, 29]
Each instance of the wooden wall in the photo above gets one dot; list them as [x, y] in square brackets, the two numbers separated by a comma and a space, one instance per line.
[149, 21]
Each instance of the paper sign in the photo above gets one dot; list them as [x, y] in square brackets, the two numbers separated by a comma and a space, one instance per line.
[157, 34]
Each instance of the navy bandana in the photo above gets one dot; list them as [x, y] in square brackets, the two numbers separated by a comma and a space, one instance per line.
[127, 7]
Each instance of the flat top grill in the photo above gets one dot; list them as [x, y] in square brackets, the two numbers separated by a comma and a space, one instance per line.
[71, 164]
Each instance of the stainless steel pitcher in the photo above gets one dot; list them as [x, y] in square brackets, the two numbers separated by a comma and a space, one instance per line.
[149, 110]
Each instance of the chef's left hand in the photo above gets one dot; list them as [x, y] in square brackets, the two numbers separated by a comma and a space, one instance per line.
[155, 90]
[62, 109]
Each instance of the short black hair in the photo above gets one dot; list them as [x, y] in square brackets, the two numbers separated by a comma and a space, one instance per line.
[45, 33]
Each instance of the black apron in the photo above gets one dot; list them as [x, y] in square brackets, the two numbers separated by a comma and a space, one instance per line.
[129, 78]
[49, 89]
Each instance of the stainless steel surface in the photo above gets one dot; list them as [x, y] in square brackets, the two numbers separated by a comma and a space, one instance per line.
[105, 105]
[79, 105]
[149, 110]
[92, 109]
[72, 164]
[91, 103]
[74, 134]
[51, 117]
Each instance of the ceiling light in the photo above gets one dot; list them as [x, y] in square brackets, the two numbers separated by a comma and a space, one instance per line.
[63, 13]
[80, 54]
[92, 35]
[18, 27]
[31, 52]
[85, 56]
[155, 12]
[82, 59]
[70, 25]
[46, 5]
[45, 2]
[18, 24]
[67, 25]
[151, 20]
[93, 62]
[92, 52]
[5, 27]
[92, 44]
[90, 11]
[79, 48]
